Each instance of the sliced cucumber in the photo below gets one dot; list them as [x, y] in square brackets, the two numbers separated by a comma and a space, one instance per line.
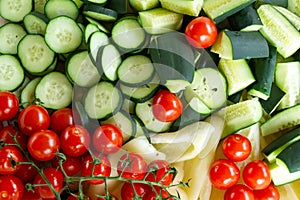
[35, 23]
[294, 6]
[192, 7]
[15, 10]
[27, 94]
[54, 91]
[55, 8]
[292, 17]
[144, 5]
[96, 40]
[271, 104]
[99, 12]
[90, 28]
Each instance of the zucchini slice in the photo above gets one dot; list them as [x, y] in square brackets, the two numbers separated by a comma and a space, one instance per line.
[191, 8]
[143, 5]
[15, 10]
[99, 12]
[35, 23]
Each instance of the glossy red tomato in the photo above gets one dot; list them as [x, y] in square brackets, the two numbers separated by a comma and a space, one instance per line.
[32, 119]
[72, 165]
[43, 145]
[236, 147]
[257, 175]
[8, 156]
[27, 172]
[132, 166]
[224, 174]
[11, 188]
[107, 139]
[75, 140]
[201, 32]
[166, 106]
[10, 130]
[9, 105]
[130, 191]
[101, 168]
[152, 195]
[239, 192]
[158, 171]
[61, 119]
[269, 193]
[31, 195]
[55, 178]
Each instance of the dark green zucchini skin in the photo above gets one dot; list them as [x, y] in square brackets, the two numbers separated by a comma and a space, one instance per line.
[270, 105]
[291, 157]
[244, 18]
[283, 3]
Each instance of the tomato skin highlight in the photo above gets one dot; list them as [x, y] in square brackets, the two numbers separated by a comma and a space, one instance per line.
[236, 147]
[9, 105]
[7, 155]
[61, 119]
[224, 174]
[201, 32]
[166, 106]
[11, 188]
[32, 119]
[239, 192]
[256, 175]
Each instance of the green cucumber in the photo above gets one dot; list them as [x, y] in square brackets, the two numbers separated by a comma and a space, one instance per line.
[281, 121]
[98, 12]
[27, 96]
[55, 8]
[278, 30]
[35, 23]
[192, 7]
[238, 74]
[271, 104]
[241, 45]
[219, 10]
[144, 5]
[15, 10]
[294, 6]
[122, 7]
[292, 17]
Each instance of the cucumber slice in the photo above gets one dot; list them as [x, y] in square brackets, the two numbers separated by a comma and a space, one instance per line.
[283, 120]
[279, 31]
[294, 6]
[96, 41]
[27, 96]
[54, 91]
[35, 23]
[55, 8]
[292, 17]
[98, 12]
[15, 10]
[143, 5]
[271, 104]
[192, 7]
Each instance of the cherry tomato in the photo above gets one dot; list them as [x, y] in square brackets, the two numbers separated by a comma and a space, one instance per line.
[130, 191]
[239, 192]
[132, 166]
[27, 172]
[166, 106]
[61, 119]
[55, 178]
[107, 139]
[31, 195]
[224, 174]
[257, 175]
[158, 171]
[72, 197]
[32, 119]
[9, 105]
[101, 168]
[43, 145]
[201, 32]
[75, 140]
[236, 147]
[152, 195]
[10, 130]
[269, 193]
[72, 165]
[7, 155]
[11, 188]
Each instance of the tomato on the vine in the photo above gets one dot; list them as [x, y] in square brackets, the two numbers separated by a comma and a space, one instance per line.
[10, 130]
[76, 197]
[43, 145]
[107, 139]
[11, 188]
[256, 175]
[75, 140]
[159, 171]
[72, 165]
[240, 192]
[236, 147]
[269, 193]
[32, 119]
[201, 32]
[99, 167]
[9, 158]
[131, 191]
[132, 166]
[166, 106]
[55, 178]
[30, 195]
[27, 171]
[61, 119]
[9, 105]
[224, 174]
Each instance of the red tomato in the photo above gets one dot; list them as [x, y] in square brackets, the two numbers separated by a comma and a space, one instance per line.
[107, 139]
[27, 172]
[132, 166]
[201, 32]
[130, 191]
[166, 106]
[158, 172]
[11, 188]
[31, 195]
[236, 147]
[11, 130]
[72, 197]
[32, 119]
[239, 192]
[269, 193]
[9, 105]
[61, 119]
[224, 174]
[257, 175]
[75, 140]
[7, 155]
[72, 165]
[55, 178]
[43, 145]
[154, 195]
[101, 168]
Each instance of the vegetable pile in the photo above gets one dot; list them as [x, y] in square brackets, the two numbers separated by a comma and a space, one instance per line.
[153, 99]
